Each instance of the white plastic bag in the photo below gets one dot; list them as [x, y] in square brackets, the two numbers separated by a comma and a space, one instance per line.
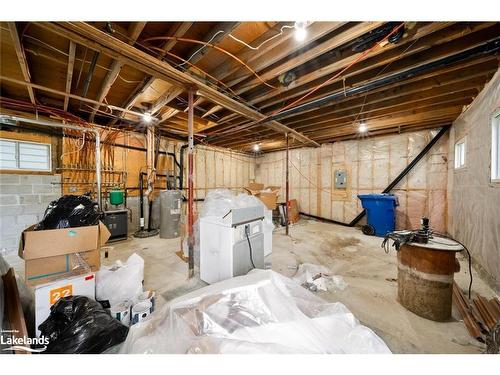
[307, 274]
[121, 281]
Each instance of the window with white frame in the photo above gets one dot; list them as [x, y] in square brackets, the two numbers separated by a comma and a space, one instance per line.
[28, 156]
[460, 153]
[495, 147]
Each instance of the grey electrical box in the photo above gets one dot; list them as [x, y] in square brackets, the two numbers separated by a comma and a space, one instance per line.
[340, 179]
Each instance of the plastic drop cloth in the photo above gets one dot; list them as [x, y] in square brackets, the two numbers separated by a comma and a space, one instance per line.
[217, 204]
[261, 312]
[308, 274]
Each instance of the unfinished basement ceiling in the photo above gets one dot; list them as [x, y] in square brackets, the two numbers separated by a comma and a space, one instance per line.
[391, 76]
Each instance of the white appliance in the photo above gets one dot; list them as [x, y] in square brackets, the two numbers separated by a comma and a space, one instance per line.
[232, 245]
[268, 232]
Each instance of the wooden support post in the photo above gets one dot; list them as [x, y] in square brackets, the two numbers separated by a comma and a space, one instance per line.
[190, 181]
[287, 189]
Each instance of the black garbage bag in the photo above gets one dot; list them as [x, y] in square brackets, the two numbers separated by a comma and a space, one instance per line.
[78, 324]
[70, 211]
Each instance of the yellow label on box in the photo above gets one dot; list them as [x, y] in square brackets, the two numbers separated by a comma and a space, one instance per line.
[58, 293]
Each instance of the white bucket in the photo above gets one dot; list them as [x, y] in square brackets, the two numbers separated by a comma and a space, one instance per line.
[150, 296]
[121, 312]
[141, 311]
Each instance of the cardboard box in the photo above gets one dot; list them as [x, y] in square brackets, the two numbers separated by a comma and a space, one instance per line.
[53, 253]
[268, 195]
[48, 294]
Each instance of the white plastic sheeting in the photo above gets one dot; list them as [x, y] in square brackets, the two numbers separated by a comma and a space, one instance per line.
[474, 200]
[370, 165]
[262, 312]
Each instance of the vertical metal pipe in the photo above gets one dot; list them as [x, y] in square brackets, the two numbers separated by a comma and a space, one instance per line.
[190, 182]
[287, 188]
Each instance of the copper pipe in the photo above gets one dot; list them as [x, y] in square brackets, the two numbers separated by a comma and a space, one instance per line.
[462, 306]
[489, 309]
[485, 316]
[495, 305]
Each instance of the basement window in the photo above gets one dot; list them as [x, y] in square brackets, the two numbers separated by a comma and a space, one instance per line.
[495, 147]
[460, 153]
[24, 156]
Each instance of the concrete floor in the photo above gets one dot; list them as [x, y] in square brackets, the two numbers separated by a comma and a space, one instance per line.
[369, 272]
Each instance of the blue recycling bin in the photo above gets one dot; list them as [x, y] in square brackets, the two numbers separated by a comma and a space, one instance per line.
[381, 213]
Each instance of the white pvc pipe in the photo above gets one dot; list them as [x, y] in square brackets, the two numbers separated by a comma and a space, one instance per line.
[75, 127]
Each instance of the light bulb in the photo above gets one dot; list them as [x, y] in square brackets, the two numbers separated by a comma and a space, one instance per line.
[147, 118]
[300, 31]
[362, 128]
[256, 147]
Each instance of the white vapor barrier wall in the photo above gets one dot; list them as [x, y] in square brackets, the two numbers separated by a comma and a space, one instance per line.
[474, 201]
[218, 168]
[370, 164]
[262, 312]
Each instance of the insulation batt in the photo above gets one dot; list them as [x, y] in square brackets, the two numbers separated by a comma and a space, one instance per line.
[261, 312]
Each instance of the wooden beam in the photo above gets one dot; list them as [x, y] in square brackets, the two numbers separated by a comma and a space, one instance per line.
[116, 66]
[179, 33]
[334, 42]
[135, 31]
[196, 54]
[166, 98]
[215, 36]
[148, 81]
[287, 46]
[212, 110]
[69, 95]
[88, 35]
[21, 58]
[69, 73]
[277, 50]
[425, 48]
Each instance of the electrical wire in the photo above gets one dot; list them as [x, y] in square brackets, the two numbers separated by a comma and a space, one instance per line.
[201, 48]
[212, 46]
[362, 56]
[380, 72]
[468, 254]
[247, 229]
[201, 70]
[264, 42]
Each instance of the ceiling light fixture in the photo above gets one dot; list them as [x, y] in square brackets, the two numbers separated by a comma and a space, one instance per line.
[147, 118]
[256, 147]
[300, 30]
[362, 128]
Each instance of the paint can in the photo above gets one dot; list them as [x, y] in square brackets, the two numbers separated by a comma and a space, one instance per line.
[141, 311]
[150, 296]
[121, 312]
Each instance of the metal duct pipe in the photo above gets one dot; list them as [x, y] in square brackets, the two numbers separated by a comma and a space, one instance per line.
[74, 127]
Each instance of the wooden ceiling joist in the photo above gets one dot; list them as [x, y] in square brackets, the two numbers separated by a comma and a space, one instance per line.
[420, 81]
[21, 58]
[88, 35]
[116, 67]
[69, 74]
[148, 81]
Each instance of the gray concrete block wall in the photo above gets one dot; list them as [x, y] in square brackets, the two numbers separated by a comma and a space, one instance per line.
[23, 200]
